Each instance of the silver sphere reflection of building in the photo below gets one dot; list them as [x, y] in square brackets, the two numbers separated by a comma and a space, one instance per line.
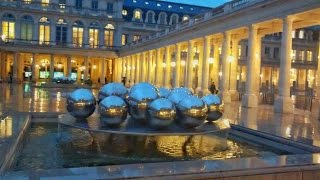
[161, 113]
[177, 94]
[140, 96]
[113, 110]
[215, 107]
[192, 112]
[112, 89]
[164, 92]
[81, 103]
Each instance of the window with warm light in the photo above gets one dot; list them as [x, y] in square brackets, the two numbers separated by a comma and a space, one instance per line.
[94, 35]
[301, 34]
[136, 37]
[185, 18]
[27, 1]
[309, 55]
[124, 39]
[294, 54]
[26, 27]
[301, 55]
[77, 34]
[8, 26]
[108, 35]
[239, 50]
[137, 15]
[62, 4]
[45, 2]
[44, 31]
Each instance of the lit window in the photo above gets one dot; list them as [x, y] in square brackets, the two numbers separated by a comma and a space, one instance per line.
[301, 34]
[8, 26]
[294, 54]
[301, 55]
[136, 37]
[27, 1]
[185, 18]
[124, 39]
[77, 34]
[124, 12]
[45, 2]
[94, 35]
[108, 35]
[44, 31]
[137, 14]
[239, 50]
[309, 55]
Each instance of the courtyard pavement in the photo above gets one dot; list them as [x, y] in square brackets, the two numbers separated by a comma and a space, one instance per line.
[302, 126]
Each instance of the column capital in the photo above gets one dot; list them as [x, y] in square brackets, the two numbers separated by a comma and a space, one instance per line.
[288, 19]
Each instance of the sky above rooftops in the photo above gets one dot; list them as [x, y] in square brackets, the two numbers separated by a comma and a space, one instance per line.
[206, 3]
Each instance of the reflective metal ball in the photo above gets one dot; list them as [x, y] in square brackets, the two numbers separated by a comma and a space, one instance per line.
[161, 113]
[178, 94]
[112, 89]
[164, 92]
[113, 110]
[81, 103]
[192, 112]
[140, 96]
[215, 107]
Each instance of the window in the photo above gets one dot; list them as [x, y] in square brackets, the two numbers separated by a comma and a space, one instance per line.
[61, 32]
[62, 4]
[174, 19]
[137, 15]
[276, 53]
[109, 7]
[136, 37]
[108, 35]
[77, 34]
[301, 34]
[185, 18]
[124, 39]
[8, 26]
[150, 17]
[239, 50]
[27, 1]
[94, 35]
[301, 55]
[26, 27]
[246, 50]
[124, 12]
[267, 50]
[44, 31]
[293, 34]
[94, 5]
[162, 18]
[44, 2]
[294, 54]
[78, 4]
[309, 55]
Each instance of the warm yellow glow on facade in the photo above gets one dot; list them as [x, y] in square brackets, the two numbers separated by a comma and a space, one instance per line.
[8, 29]
[94, 38]
[77, 36]
[44, 34]
[211, 60]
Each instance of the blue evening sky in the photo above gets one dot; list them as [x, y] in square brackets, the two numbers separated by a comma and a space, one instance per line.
[207, 3]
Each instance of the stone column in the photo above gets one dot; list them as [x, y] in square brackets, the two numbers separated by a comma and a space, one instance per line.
[225, 94]
[178, 65]
[69, 35]
[129, 70]
[103, 71]
[101, 38]
[53, 33]
[86, 69]
[119, 69]
[133, 66]
[35, 34]
[167, 74]
[69, 66]
[137, 72]
[283, 103]
[51, 67]
[234, 67]
[214, 73]
[17, 30]
[15, 76]
[123, 67]
[34, 60]
[189, 69]
[118, 36]
[86, 36]
[200, 66]
[159, 68]
[250, 98]
[149, 79]
[205, 66]
[144, 68]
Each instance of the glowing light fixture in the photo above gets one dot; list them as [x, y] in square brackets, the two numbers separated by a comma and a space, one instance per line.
[183, 63]
[173, 64]
[211, 60]
[94, 67]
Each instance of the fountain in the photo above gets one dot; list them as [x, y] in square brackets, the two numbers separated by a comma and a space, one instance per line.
[148, 122]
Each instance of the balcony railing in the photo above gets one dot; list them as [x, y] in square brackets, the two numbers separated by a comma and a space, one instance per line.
[214, 13]
[60, 8]
[55, 44]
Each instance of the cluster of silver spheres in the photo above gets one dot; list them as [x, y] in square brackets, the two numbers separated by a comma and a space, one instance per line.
[157, 107]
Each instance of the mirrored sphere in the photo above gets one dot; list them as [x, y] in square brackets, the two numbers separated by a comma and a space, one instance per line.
[112, 89]
[178, 94]
[161, 113]
[81, 103]
[191, 112]
[215, 107]
[164, 92]
[139, 97]
[113, 111]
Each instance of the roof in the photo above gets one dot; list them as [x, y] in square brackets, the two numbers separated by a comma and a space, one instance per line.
[165, 6]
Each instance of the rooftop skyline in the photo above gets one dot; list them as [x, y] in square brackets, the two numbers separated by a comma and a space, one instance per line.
[206, 3]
